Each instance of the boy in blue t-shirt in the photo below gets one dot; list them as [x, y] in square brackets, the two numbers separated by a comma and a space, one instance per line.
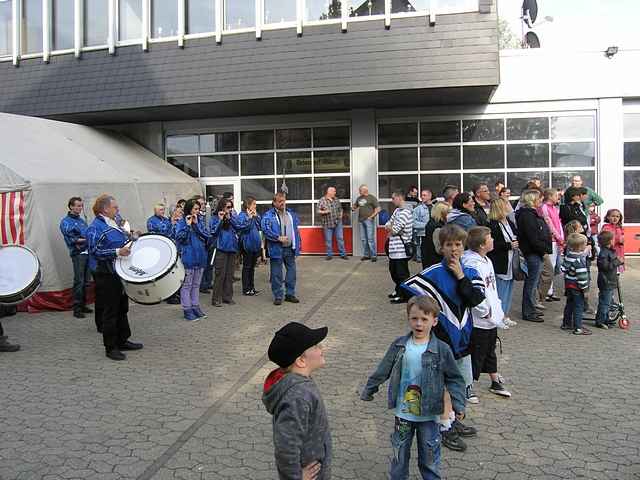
[418, 367]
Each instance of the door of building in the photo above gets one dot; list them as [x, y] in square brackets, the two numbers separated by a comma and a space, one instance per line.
[214, 189]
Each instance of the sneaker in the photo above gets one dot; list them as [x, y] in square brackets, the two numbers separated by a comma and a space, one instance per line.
[216, 303]
[277, 301]
[498, 389]
[79, 314]
[396, 300]
[553, 298]
[191, 316]
[5, 346]
[471, 396]
[205, 290]
[392, 295]
[603, 326]
[540, 306]
[364, 259]
[452, 441]
[374, 259]
[582, 331]
[199, 313]
[463, 430]
[291, 299]
[535, 319]
[566, 327]
[509, 323]
[328, 258]
[344, 257]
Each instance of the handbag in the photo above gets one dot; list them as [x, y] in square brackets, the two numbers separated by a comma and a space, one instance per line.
[409, 247]
[519, 266]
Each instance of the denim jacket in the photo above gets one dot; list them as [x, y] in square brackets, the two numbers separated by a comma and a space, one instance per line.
[439, 369]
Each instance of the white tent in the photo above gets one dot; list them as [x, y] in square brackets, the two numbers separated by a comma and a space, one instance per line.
[43, 163]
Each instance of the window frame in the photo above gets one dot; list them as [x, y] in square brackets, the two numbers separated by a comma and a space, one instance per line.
[625, 140]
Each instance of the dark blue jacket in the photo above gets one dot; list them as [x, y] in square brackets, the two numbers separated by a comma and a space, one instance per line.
[73, 228]
[103, 240]
[160, 226]
[271, 229]
[250, 238]
[191, 241]
[226, 239]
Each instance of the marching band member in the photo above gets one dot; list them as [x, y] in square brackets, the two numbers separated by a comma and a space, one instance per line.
[158, 223]
[107, 241]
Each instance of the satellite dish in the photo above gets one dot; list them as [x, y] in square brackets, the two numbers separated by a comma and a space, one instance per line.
[531, 40]
[529, 12]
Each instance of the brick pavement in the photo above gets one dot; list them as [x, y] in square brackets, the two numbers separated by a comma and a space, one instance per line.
[188, 405]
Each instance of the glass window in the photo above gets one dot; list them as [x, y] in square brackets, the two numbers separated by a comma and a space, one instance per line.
[407, 6]
[632, 182]
[31, 26]
[188, 165]
[436, 182]
[632, 125]
[219, 165]
[342, 184]
[482, 130]
[298, 188]
[219, 142]
[572, 127]
[239, 14]
[439, 158]
[398, 134]
[96, 22]
[490, 178]
[164, 18]
[303, 210]
[483, 156]
[260, 189]
[6, 29]
[632, 210]
[62, 24]
[533, 155]
[279, 11]
[182, 144]
[322, 9]
[517, 181]
[333, 161]
[439, 132]
[562, 180]
[331, 137]
[257, 164]
[365, 8]
[293, 138]
[291, 163]
[632, 154]
[130, 19]
[256, 140]
[527, 128]
[397, 159]
[573, 154]
[387, 184]
[201, 16]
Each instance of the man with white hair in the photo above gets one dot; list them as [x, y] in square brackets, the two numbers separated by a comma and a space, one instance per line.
[158, 223]
[368, 208]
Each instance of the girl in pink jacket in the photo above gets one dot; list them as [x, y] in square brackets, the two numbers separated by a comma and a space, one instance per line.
[613, 223]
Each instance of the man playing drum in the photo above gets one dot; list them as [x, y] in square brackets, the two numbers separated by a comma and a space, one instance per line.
[107, 241]
[74, 231]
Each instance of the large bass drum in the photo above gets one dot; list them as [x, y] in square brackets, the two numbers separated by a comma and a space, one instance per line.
[20, 274]
[153, 271]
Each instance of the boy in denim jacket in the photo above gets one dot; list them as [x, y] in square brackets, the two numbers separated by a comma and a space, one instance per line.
[419, 365]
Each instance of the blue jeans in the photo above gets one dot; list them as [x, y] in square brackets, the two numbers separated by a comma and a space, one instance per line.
[368, 237]
[530, 289]
[80, 275]
[328, 239]
[289, 261]
[207, 275]
[604, 303]
[574, 308]
[428, 449]
[505, 293]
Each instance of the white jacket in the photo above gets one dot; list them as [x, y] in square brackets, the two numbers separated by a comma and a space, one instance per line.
[488, 314]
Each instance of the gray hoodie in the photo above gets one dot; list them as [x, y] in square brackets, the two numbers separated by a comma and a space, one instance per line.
[301, 433]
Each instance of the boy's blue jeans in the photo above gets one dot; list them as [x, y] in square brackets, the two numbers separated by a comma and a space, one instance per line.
[574, 309]
[604, 303]
[428, 434]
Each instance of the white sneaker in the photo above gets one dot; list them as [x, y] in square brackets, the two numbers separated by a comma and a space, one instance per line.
[471, 396]
[498, 389]
[509, 323]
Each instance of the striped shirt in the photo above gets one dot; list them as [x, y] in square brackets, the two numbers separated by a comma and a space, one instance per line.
[574, 267]
[401, 223]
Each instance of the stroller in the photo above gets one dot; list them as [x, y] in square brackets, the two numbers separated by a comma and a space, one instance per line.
[616, 309]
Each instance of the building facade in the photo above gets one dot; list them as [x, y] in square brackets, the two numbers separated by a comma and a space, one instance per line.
[248, 95]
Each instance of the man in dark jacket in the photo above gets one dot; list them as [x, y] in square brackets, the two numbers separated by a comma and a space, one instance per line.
[482, 197]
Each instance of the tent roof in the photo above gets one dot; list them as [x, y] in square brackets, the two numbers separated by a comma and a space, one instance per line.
[33, 150]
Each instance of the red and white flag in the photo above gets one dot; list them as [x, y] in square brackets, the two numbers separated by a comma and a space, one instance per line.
[12, 207]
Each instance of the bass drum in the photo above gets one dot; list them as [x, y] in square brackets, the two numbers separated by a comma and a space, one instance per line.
[153, 271]
[20, 274]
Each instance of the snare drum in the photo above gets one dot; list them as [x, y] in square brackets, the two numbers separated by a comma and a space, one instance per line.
[20, 274]
[153, 271]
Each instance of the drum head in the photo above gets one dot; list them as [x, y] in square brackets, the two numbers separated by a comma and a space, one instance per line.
[19, 267]
[151, 257]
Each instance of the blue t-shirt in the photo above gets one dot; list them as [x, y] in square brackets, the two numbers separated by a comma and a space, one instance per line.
[409, 404]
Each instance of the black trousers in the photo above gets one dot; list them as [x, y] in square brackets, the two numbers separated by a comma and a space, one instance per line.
[483, 355]
[115, 307]
[1, 330]
[249, 260]
[399, 270]
[223, 280]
